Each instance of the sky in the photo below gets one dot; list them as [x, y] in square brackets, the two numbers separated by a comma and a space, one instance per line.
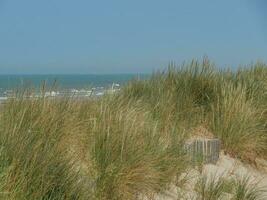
[123, 36]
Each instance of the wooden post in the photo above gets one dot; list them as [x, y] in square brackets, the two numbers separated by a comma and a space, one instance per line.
[203, 150]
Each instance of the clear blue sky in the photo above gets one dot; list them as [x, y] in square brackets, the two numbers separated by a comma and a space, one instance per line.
[112, 36]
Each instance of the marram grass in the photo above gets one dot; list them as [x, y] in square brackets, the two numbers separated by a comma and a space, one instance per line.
[232, 105]
[235, 188]
[73, 149]
[130, 144]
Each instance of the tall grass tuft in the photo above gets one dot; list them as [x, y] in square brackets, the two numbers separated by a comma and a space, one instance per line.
[237, 121]
[130, 144]
[245, 190]
[209, 188]
[179, 96]
[213, 187]
[33, 166]
[130, 156]
[232, 105]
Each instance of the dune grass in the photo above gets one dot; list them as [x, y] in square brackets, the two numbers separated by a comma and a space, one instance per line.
[232, 105]
[130, 144]
[74, 149]
[209, 188]
[129, 154]
[246, 190]
[235, 188]
[32, 166]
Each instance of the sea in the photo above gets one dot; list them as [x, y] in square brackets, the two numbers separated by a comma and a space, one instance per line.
[62, 84]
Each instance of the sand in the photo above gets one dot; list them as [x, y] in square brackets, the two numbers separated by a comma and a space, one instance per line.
[226, 167]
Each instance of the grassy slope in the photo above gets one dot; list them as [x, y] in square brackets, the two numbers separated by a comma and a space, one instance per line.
[130, 143]
[231, 105]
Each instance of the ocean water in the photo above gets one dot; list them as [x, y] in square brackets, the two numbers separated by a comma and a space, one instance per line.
[62, 82]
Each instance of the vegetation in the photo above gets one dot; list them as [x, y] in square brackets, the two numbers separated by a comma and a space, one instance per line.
[209, 188]
[129, 145]
[245, 190]
[232, 105]
[238, 188]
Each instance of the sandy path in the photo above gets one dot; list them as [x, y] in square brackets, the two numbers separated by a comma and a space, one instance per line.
[226, 167]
